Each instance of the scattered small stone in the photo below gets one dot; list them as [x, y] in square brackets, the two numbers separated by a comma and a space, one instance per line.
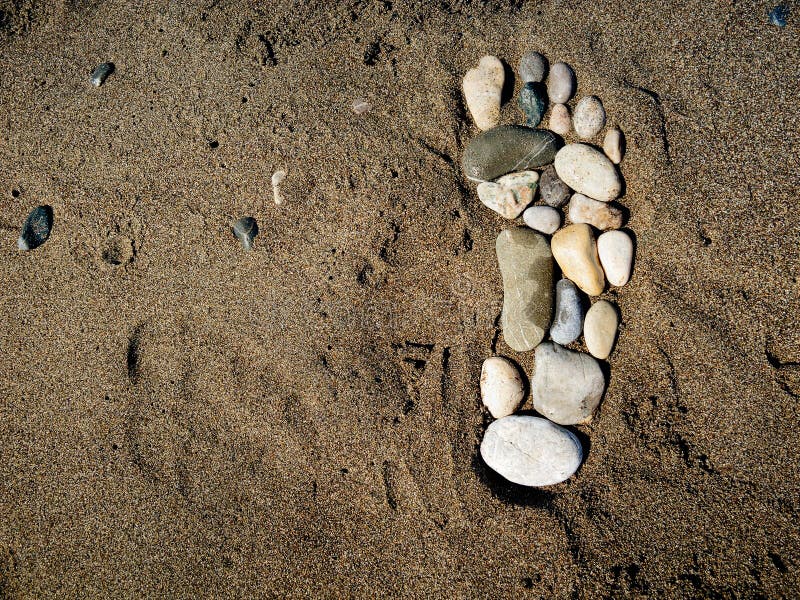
[600, 329]
[552, 190]
[502, 390]
[561, 84]
[560, 121]
[542, 218]
[506, 149]
[277, 179]
[100, 73]
[245, 230]
[531, 451]
[482, 90]
[568, 320]
[526, 265]
[532, 67]
[575, 251]
[602, 215]
[36, 228]
[590, 117]
[533, 102]
[615, 249]
[361, 105]
[588, 171]
[510, 194]
[779, 15]
[566, 386]
[614, 145]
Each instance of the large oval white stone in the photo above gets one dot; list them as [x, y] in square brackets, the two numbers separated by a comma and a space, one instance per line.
[502, 390]
[588, 171]
[615, 249]
[482, 90]
[531, 451]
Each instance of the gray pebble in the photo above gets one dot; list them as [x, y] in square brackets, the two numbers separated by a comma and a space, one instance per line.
[508, 148]
[533, 102]
[36, 228]
[245, 230]
[570, 310]
[532, 67]
[561, 84]
[551, 189]
[100, 73]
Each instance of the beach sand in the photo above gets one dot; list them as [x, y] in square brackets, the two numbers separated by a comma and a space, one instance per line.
[303, 419]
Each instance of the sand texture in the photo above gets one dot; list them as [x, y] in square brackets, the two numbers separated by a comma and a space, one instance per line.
[303, 419]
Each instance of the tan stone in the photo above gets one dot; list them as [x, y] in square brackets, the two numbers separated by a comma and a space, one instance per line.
[575, 251]
[483, 86]
[600, 329]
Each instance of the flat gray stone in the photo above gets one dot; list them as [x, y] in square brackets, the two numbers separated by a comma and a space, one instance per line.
[552, 190]
[526, 265]
[570, 310]
[532, 67]
[508, 148]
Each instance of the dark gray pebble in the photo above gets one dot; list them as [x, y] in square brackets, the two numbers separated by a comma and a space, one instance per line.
[552, 190]
[36, 228]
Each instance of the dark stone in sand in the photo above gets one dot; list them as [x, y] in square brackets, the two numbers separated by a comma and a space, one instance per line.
[552, 190]
[506, 149]
[36, 228]
[533, 102]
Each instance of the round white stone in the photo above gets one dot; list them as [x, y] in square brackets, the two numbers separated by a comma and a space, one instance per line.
[588, 171]
[600, 329]
[502, 390]
[601, 215]
[542, 218]
[531, 451]
[560, 121]
[615, 249]
[561, 84]
[614, 145]
[590, 117]
[482, 90]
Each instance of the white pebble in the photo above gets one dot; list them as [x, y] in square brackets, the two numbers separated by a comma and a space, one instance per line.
[542, 218]
[614, 145]
[482, 89]
[277, 179]
[588, 171]
[615, 249]
[560, 121]
[502, 390]
[590, 117]
[361, 106]
[600, 329]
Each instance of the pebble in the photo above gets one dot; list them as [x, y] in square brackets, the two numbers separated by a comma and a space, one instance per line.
[566, 386]
[277, 180]
[600, 329]
[552, 190]
[602, 215]
[502, 390]
[560, 121]
[588, 171]
[614, 145]
[36, 228]
[575, 252]
[510, 194]
[532, 67]
[526, 266]
[508, 148]
[361, 105]
[533, 102]
[778, 15]
[245, 230]
[482, 90]
[100, 73]
[568, 319]
[542, 218]
[561, 84]
[590, 117]
[531, 451]
[615, 249]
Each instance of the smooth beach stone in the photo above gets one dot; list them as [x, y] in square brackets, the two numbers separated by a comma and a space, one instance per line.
[615, 249]
[506, 149]
[588, 171]
[566, 386]
[614, 145]
[568, 318]
[533, 102]
[575, 252]
[502, 390]
[526, 266]
[602, 215]
[542, 218]
[532, 67]
[245, 230]
[552, 190]
[36, 228]
[561, 84]
[600, 329]
[589, 118]
[483, 87]
[560, 121]
[100, 73]
[531, 451]
[510, 194]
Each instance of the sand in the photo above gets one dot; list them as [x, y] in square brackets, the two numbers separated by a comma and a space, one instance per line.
[303, 419]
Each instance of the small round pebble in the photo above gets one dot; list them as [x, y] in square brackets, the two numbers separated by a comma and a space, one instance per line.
[542, 218]
[590, 117]
[601, 215]
[532, 67]
[561, 84]
[552, 190]
[568, 315]
[614, 145]
[615, 249]
[600, 329]
[560, 121]
[502, 390]
[531, 451]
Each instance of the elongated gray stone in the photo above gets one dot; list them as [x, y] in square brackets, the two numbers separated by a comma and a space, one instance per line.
[568, 319]
[533, 102]
[526, 265]
[508, 148]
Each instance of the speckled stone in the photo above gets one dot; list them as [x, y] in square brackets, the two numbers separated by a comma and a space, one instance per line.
[542, 218]
[560, 121]
[600, 329]
[506, 149]
[589, 118]
[532, 67]
[561, 84]
[588, 171]
[533, 102]
[602, 215]
[575, 251]
[510, 194]
[552, 190]
[568, 317]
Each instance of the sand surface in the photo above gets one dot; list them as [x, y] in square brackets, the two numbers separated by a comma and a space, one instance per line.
[303, 419]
